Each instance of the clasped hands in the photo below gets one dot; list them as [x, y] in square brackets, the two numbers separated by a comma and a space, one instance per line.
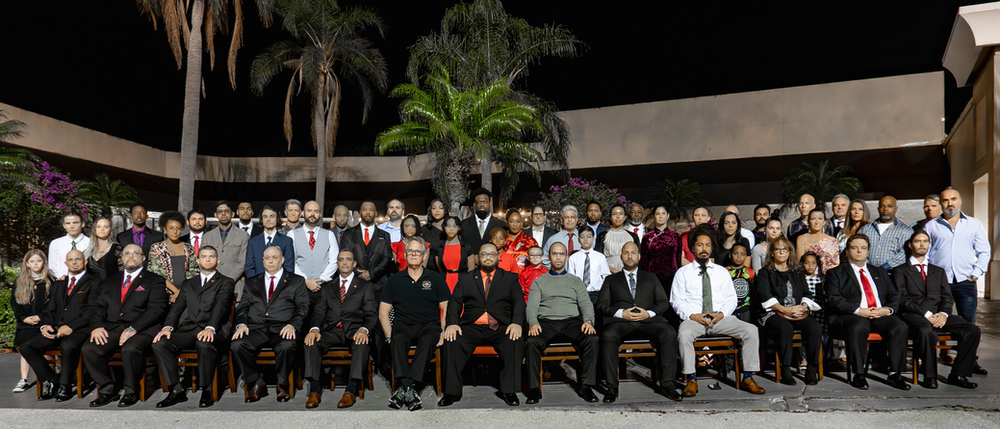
[642, 314]
[874, 312]
[938, 320]
[794, 311]
[708, 319]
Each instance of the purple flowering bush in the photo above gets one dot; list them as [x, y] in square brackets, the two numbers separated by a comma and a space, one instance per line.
[579, 192]
[31, 210]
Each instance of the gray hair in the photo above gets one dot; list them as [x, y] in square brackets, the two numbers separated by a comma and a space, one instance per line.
[293, 201]
[423, 244]
[934, 197]
[841, 196]
[569, 208]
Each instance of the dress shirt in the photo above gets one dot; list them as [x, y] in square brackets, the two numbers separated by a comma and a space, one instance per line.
[539, 234]
[962, 252]
[639, 230]
[686, 291]
[748, 234]
[598, 267]
[861, 287]
[635, 275]
[204, 279]
[60, 247]
[201, 238]
[267, 282]
[922, 264]
[839, 223]
[269, 237]
[331, 264]
[247, 228]
[559, 237]
[394, 232]
[592, 228]
[887, 243]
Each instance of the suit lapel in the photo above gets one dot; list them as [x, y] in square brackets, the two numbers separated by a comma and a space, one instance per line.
[282, 283]
[208, 284]
[623, 280]
[132, 287]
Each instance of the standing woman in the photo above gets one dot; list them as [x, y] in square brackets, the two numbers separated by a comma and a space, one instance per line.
[786, 302]
[660, 252]
[104, 255]
[857, 217]
[816, 241]
[31, 293]
[451, 256]
[700, 216]
[772, 230]
[431, 231]
[173, 259]
[610, 242]
[729, 236]
[409, 228]
[518, 242]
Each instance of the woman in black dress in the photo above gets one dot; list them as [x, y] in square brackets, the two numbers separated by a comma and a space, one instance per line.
[104, 256]
[729, 236]
[31, 293]
[433, 227]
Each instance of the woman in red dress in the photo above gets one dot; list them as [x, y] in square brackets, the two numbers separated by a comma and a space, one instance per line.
[701, 215]
[451, 256]
[518, 242]
[409, 228]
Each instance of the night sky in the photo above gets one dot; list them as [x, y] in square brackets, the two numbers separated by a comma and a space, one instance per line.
[102, 66]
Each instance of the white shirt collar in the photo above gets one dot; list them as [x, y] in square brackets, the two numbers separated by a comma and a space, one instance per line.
[206, 278]
[349, 278]
[627, 272]
[77, 277]
[914, 261]
[134, 274]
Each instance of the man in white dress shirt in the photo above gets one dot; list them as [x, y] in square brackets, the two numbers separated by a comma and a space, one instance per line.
[635, 213]
[73, 240]
[589, 265]
[196, 226]
[315, 249]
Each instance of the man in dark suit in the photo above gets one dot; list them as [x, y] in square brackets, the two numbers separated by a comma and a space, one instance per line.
[862, 299]
[371, 246]
[926, 302]
[63, 327]
[197, 224]
[270, 314]
[633, 302]
[269, 237]
[139, 233]
[483, 302]
[476, 228]
[126, 313]
[538, 230]
[344, 314]
[594, 215]
[244, 211]
[198, 319]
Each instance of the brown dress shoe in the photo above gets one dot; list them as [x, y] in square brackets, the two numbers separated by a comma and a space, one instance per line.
[347, 401]
[282, 394]
[313, 400]
[751, 386]
[254, 394]
[691, 389]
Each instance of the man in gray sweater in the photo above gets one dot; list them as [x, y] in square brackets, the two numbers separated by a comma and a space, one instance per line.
[559, 306]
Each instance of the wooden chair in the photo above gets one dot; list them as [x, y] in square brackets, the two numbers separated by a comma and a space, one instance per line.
[943, 338]
[266, 357]
[116, 360]
[557, 352]
[436, 360]
[56, 359]
[341, 355]
[189, 359]
[720, 345]
[638, 348]
[796, 342]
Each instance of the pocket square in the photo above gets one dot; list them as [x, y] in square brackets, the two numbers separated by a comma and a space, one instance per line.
[80, 291]
[140, 289]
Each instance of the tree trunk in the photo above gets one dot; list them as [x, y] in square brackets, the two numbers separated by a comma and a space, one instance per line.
[319, 123]
[192, 105]
[487, 174]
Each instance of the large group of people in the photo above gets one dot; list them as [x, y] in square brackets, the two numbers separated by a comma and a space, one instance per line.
[394, 292]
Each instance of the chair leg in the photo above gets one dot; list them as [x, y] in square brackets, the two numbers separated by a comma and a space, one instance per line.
[291, 384]
[736, 364]
[79, 378]
[232, 376]
[215, 384]
[437, 371]
[777, 368]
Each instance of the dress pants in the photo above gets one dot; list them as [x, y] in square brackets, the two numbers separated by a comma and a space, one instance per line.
[248, 347]
[425, 337]
[855, 329]
[33, 351]
[925, 337]
[331, 337]
[133, 352]
[966, 294]
[729, 325]
[459, 351]
[586, 345]
[782, 330]
[661, 333]
[166, 351]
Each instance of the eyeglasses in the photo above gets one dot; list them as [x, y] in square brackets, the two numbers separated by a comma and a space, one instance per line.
[414, 252]
[781, 250]
[488, 255]
[534, 256]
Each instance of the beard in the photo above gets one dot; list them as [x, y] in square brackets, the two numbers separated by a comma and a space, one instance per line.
[488, 269]
[702, 261]
[951, 212]
[483, 214]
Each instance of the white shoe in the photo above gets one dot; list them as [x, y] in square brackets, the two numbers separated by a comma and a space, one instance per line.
[22, 385]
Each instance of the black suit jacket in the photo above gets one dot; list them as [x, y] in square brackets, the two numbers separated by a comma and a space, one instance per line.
[255, 229]
[468, 301]
[615, 294]
[144, 306]
[843, 291]
[71, 310]
[470, 231]
[198, 307]
[919, 296]
[358, 309]
[376, 257]
[149, 237]
[288, 306]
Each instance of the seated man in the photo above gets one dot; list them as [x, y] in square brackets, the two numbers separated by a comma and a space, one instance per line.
[558, 306]
[861, 299]
[483, 302]
[270, 314]
[925, 306]
[343, 315]
[126, 313]
[704, 298]
[202, 307]
[420, 299]
[63, 327]
[632, 302]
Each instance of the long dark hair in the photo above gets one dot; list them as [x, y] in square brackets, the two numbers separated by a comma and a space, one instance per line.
[429, 211]
[444, 235]
[721, 237]
[416, 224]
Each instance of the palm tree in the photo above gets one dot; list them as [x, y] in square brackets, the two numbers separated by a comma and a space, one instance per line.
[15, 164]
[480, 42]
[328, 50]
[184, 29]
[461, 128]
[820, 181]
[111, 197]
[677, 196]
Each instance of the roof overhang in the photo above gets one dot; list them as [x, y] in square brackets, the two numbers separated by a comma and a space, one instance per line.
[976, 27]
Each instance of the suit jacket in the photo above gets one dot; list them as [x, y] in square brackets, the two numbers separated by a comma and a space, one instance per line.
[376, 257]
[255, 228]
[71, 310]
[288, 306]
[919, 296]
[505, 301]
[143, 308]
[255, 253]
[339, 232]
[232, 253]
[615, 295]
[843, 291]
[770, 284]
[198, 307]
[149, 237]
[601, 227]
[470, 231]
[358, 310]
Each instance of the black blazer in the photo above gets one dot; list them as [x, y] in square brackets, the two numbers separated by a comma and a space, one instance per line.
[359, 308]
[288, 306]
[919, 296]
[376, 257]
[33, 308]
[108, 265]
[599, 241]
[198, 307]
[770, 283]
[149, 237]
[437, 258]
[144, 306]
[255, 228]
[843, 292]
[615, 294]
[470, 231]
[71, 310]
[505, 302]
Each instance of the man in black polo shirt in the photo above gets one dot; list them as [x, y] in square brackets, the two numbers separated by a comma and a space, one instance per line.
[420, 299]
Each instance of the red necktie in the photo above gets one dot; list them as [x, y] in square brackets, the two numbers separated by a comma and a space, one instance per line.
[125, 285]
[270, 290]
[635, 230]
[72, 283]
[196, 245]
[922, 272]
[367, 238]
[343, 289]
[570, 247]
[491, 322]
[867, 286]
[312, 241]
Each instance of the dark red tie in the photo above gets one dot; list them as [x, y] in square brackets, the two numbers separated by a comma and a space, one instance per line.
[367, 238]
[196, 245]
[636, 230]
[270, 290]
[125, 285]
[312, 241]
[922, 272]
[569, 249]
[867, 286]
[72, 283]
[490, 321]
[343, 289]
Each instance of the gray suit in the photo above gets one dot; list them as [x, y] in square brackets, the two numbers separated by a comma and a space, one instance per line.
[232, 253]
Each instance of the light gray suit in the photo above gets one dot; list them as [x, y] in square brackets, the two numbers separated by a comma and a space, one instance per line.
[232, 253]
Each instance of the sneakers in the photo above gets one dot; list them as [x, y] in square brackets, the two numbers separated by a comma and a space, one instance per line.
[21, 386]
[413, 402]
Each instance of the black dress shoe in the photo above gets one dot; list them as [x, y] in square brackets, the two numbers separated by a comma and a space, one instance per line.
[448, 400]
[786, 376]
[896, 380]
[64, 393]
[611, 396]
[128, 400]
[510, 399]
[104, 399]
[812, 376]
[534, 395]
[961, 381]
[173, 398]
[48, 391]
[859, 382]
[206, 399]
[587, 394]
[978, 370]
[672, 393]
[929, 383]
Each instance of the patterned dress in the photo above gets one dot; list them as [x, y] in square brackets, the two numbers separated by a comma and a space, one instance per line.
[661, 254]
[517, 247]
[743, 282]
[828, 250]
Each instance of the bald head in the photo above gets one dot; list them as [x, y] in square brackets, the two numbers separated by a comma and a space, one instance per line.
[887, 209]
[75, 262]
[132, 257]
[341, 215]
[806, 204]
[557, 257]
[313, 214]
[951, 203]
[630, 256]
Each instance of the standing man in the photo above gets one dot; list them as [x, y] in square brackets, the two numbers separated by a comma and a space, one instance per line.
[932, 209]
[801, 226]
[245, 212]
[589, 265]
[344, 315]
[486, 308]
[394, 211]
[341, 216]
[127, 313]
[539, 231]
[558, 306]
[269, 237]
[887, 235]
[567, 236]
[315, 250]
[138, 233]
[959, 245]
[594, 214]
[293, 212]
[231, 244]
[761, 214]
[196, 320]
[73, 240]
[635, 214]
[270, 314]
[839, 220]
[372, 247]
[476, 228]
[196, 225]
[632, 303]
